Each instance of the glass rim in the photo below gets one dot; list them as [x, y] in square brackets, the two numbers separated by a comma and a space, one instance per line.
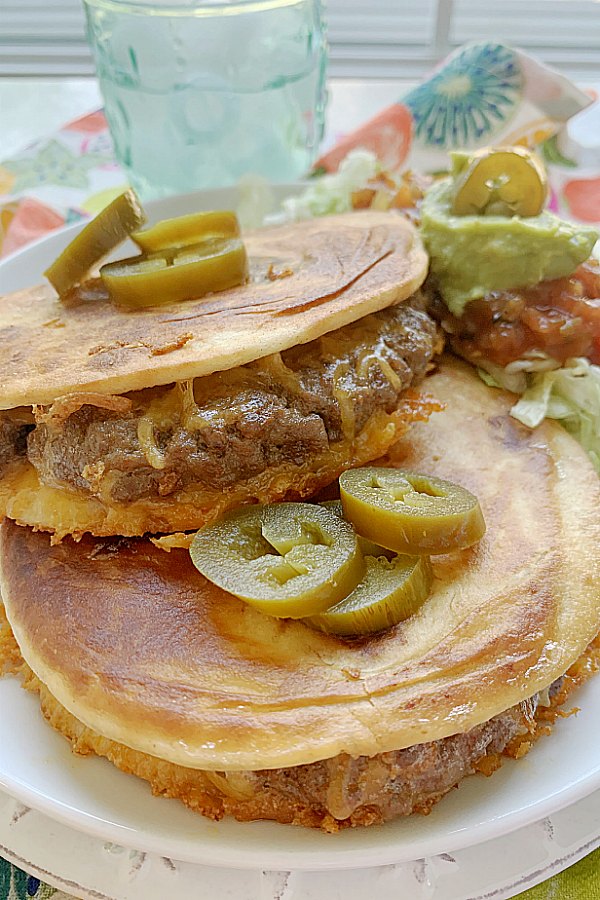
[200, 10]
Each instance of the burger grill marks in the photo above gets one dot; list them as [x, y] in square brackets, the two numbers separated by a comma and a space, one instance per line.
[224, 428]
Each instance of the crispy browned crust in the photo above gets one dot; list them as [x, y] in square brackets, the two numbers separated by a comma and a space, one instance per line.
[136, 644]
[24, 498]
[318, 794]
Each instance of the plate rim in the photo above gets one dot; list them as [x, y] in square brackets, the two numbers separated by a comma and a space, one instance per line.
[560, 855]
[86, 823]
[153, 207]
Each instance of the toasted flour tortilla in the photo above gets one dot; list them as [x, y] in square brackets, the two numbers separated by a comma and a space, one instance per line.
[306, 279]
[139, 647]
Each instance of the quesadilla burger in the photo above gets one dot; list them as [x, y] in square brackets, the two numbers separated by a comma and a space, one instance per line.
[330, 663]
[154, 419]
[139, 658]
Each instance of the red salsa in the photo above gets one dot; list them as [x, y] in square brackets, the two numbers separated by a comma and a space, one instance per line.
[560, 318]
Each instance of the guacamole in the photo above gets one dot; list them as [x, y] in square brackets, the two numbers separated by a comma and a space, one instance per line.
[474, 255]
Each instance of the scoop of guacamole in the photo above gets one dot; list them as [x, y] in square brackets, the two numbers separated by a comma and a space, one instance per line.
[473, 255]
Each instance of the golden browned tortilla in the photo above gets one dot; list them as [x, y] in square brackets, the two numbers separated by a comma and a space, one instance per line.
[140, 648]
[335, 793]
[307, 279]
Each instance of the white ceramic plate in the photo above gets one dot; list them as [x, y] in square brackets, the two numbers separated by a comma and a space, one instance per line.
[93, 870]
[89, 795]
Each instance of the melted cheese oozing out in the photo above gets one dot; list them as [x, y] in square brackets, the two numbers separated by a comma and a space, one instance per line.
[281, 373]
[345, 401]
[179, 405]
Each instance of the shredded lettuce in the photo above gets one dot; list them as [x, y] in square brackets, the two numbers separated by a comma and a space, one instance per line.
[329, 194]
[571, 395]
[488, 378]
[324, 195]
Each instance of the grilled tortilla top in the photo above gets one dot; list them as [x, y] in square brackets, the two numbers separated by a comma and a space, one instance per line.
[306, 279]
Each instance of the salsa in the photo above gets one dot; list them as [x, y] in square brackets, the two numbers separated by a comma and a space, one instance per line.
[559, 317]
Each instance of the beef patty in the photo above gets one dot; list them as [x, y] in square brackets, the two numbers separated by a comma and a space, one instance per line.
[222, 429]
[14, 428]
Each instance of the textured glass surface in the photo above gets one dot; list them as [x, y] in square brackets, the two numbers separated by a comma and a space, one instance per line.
[198, 95]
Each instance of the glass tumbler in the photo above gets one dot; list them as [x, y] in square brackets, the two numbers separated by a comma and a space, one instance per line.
[199, 94]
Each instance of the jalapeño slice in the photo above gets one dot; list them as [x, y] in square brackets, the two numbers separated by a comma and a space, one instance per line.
[185, 231]
[367, 547]
[289, 560]
[504, 181]
[391, 591]
[410, 513]
[101, 235]
[168, 277]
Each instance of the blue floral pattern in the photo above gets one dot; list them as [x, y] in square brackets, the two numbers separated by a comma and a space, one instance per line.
[17, 885]
[471, 97]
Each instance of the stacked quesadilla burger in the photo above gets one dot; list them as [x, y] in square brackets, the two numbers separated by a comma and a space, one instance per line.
[157, 419]
[164, 469]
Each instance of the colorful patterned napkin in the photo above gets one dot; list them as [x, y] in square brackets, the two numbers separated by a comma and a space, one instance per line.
[17, 885]
[56, 181]
[485, 94]
[482, 94]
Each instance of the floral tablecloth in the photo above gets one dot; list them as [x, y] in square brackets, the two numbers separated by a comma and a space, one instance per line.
[483, 94]
[497, 95]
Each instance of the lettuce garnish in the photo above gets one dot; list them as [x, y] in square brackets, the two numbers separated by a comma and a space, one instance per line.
[570, 394]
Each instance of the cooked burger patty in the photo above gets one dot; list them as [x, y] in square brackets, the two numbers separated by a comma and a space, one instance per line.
[13, 439]
[224, 428]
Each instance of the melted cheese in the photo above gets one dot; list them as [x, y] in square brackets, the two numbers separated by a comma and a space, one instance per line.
[147, 439]
[282, 374]
[345, 400]
[61, 511]
[377, 357]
